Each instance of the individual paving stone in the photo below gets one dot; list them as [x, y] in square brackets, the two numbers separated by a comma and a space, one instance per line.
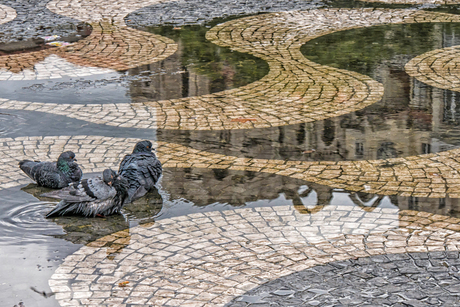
[169, 266]
[6, 14]
[347, 285]
[438, 68]
[96, 153]
[295, 90]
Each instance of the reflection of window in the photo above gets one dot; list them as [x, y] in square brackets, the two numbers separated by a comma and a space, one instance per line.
[387, 151]
[426, 148]
[359, 149]
[413, 203]
[442, 203]
[328, 132]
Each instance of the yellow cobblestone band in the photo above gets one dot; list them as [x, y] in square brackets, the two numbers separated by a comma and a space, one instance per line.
[296, 90]
[431, 175]
[438, 68]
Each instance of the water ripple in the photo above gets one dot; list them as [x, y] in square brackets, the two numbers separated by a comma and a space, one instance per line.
[9, 122]
[26, 223]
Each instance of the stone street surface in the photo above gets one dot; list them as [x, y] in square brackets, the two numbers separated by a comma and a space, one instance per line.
[263, 256]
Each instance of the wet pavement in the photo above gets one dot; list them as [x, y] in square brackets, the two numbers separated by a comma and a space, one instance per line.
[310, 151]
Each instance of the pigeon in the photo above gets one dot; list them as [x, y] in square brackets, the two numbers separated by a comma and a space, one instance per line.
[91, 197]
[55, 175]
[142, 169]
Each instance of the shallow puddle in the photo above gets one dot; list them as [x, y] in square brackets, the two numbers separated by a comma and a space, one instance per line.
[411, 119]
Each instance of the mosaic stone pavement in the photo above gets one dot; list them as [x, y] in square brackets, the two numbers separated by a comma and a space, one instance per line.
[213, 258]
[413, 279]
[208, 259]
[109, 46]
[438, 68]
[296, 90]
[431, 175]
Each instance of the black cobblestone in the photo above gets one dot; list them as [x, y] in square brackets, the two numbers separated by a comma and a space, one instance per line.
[415, 279]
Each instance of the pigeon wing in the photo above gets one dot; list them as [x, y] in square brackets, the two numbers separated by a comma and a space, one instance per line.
[86, 190]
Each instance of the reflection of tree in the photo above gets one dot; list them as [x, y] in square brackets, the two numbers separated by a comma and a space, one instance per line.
[224, 67]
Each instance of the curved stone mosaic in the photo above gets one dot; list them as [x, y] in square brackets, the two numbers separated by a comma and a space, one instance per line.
[414, 279]
[438, 68]
[6, 14]
[95, 10]
[296, 90]
[431, 175]
[208, 259]
[108, 46]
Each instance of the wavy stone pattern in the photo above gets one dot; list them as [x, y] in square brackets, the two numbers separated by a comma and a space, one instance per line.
[110, 45]
[432, 175]
[207, 259]
[437, 68]
[6, 14]
[97, 10]
[296, 90]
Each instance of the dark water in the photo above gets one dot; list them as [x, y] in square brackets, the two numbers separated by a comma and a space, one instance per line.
[411, 119]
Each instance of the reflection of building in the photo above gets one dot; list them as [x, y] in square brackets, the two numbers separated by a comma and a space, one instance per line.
[172, 78]
[443, 206]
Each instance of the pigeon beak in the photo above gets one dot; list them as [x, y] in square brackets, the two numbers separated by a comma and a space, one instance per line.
[109, 183]
[75, 159]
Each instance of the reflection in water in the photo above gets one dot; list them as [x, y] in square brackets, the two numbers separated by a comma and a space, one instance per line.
[80, 230]
[9, 122]
[197, 68]
[411, 119]
[186, 191]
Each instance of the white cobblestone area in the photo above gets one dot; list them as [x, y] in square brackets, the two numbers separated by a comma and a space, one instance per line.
[207, 259]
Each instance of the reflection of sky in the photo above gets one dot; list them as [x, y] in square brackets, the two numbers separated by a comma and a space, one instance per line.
[57, 81]
[51, 68]
[29, 254]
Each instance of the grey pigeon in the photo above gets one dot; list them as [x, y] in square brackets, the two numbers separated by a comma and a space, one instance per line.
[53, 175]
[142, 169]
[91, 197]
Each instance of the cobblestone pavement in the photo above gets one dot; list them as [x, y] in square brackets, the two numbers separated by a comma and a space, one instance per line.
[431, 175]
[296, 90]
[212, 258]
[438, 68]
[207, 259]
[414, 279]
[108, 46]
[198, 12]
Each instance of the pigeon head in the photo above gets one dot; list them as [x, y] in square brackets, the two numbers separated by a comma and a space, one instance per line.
[143, 146]
[108, 176]
[67, 156]
[64, 159]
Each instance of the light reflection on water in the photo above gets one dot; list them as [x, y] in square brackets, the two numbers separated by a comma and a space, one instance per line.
[412, 119]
